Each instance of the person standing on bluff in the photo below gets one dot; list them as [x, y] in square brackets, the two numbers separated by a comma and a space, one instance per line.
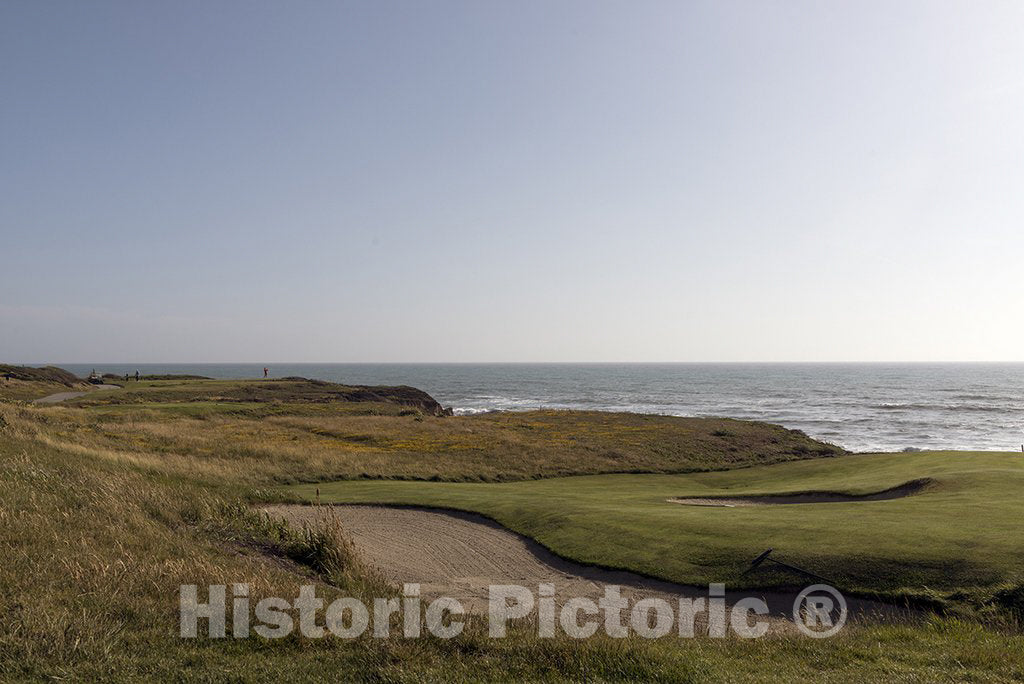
[136, 375]
[265, 371]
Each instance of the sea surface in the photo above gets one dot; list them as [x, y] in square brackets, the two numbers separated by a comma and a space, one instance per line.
[862, 407]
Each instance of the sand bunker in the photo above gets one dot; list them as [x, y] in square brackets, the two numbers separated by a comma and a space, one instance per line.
[898, 492]
[460, 554]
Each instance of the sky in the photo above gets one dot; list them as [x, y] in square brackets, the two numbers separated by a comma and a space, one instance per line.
[520, 181]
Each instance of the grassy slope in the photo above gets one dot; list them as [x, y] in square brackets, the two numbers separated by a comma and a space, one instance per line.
[44, 374]
[26, 384]
[287, 390]
[96, 545]
[291, 434]
[105, 510]
[962, 532]
[27, 390]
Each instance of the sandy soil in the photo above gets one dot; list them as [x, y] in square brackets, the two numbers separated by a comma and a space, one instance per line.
[906, 489]
[459, 555]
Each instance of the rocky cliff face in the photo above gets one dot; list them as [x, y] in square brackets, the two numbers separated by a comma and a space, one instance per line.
[403, 394]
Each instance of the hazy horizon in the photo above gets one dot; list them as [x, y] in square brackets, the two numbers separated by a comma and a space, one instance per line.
[261, 363]
[471, 182]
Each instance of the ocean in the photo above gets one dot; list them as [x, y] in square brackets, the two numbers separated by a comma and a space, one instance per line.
[862, 407]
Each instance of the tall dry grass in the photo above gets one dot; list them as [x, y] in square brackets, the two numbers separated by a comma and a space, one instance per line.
[97, 533]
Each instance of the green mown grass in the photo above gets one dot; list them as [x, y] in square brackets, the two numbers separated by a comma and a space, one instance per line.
[961, 534]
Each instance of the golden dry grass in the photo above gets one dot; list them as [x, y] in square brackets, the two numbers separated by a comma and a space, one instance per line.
[304, 441]
[105, 511]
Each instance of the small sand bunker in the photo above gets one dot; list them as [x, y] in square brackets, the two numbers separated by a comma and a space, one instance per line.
[898, 492]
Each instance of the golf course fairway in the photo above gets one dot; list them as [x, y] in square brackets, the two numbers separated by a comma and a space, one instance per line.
[957, 529]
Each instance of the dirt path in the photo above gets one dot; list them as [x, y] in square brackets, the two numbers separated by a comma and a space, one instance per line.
[905, 489]
[61, 396]
[459, 555]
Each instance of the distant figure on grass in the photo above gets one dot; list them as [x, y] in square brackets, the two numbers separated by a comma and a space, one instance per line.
[265, 371]
[136, 375]
[126, 377]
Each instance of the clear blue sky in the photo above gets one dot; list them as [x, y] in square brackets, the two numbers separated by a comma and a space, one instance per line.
[519, 181]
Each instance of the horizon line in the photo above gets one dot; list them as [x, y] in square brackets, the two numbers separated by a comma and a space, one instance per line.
[494, 363]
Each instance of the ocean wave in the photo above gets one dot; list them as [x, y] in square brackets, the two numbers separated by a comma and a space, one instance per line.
[944, 407]
[472, 411]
